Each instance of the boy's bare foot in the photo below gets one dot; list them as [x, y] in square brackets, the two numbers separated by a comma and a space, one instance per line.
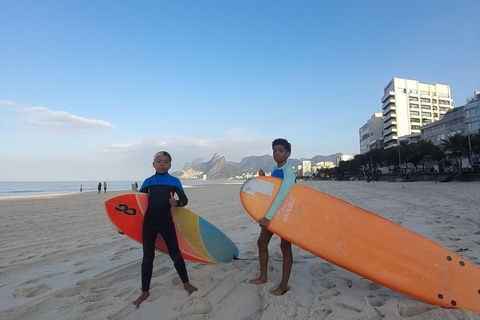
[258, 281]
[189, 288]
[280, 291]
[140, 299]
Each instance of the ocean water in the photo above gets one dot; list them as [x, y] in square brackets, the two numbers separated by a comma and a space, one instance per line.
[39, 188]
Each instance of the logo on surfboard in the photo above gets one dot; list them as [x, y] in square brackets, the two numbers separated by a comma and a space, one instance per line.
[123, 208]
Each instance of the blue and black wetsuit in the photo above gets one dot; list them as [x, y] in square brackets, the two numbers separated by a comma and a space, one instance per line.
[158, 220]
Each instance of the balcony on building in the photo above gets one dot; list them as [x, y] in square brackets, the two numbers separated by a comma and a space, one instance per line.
[388, 102]
[388, 108]
[389, 116]
[387, 139]
[387, 125]
[390, 131]
[388, 94]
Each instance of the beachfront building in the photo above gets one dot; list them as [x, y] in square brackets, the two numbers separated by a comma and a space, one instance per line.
[410, 138]
[370, 134]
[472, 113]
[324, 164]
[407, 105]
[451, 123]
[344, 157]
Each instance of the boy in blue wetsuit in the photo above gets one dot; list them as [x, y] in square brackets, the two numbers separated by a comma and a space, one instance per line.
[158, 220]
[281, 152]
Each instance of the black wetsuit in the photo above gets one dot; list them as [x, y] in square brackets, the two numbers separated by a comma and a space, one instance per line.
[158, 220]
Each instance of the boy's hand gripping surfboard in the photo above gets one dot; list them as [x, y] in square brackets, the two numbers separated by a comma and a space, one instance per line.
[366, 244]
[198, 239]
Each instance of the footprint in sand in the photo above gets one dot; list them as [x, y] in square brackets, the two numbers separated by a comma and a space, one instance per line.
[377, 300]
[374, 286]
[350, 308]
[414, 309]
[330, 293]
[321, 313]
[31, 292]
[69, 292]
[327, 284]
[347, 282]
[321, 269]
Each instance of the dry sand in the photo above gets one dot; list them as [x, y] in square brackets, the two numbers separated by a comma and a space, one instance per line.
[61, 258]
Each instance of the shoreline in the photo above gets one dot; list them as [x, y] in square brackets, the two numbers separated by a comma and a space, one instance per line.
[54, 188]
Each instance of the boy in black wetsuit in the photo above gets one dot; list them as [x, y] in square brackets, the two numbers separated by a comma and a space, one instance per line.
[158, 219]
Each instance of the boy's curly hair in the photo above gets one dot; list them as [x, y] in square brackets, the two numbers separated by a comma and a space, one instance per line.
[282, 142]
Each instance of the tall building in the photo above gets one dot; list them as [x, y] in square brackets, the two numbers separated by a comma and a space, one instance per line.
[307, 167]
[409, 104]
[464, 120]
[370, 134]
[472, 113]
[450, 124]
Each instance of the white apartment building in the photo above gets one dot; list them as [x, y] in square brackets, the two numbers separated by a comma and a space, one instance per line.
[409, 104]
[307, 167]
[370, 134]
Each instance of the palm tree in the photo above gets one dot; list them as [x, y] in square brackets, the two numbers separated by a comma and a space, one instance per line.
[423, 149]
[437, 155]
[475, 142]
[456, 145]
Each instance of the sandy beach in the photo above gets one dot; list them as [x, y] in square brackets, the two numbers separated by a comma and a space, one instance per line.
[61, 258]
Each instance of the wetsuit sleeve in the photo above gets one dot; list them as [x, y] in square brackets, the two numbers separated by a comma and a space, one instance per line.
[287, 184]
[182, 197]
[144, 187]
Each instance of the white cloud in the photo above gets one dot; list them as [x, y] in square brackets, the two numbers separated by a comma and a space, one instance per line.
[61, 121]
[7, 103]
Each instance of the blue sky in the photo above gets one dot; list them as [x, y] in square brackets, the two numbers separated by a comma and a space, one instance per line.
[92, 89]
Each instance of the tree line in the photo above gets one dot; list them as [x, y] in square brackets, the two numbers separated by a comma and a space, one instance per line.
[417, 156]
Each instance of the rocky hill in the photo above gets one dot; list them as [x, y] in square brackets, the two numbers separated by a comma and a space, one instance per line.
[218, 168]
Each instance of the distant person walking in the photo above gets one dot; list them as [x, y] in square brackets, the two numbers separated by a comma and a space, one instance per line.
[105, 186]
[81, 187]
[99, 187]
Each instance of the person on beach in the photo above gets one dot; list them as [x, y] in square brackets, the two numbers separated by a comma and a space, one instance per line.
[81, 187]
[161, 188]
[99, 187]
[281, 152]
[105, 186]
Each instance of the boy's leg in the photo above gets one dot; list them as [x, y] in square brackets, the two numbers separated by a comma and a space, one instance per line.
[287, 268]
[262, 242]
[170, 237]
[148, 238]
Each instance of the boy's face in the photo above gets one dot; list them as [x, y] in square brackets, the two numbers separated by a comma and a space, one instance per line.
[280, 155]
[162, 164]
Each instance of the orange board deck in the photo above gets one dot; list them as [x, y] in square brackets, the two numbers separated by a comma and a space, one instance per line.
[366, 244]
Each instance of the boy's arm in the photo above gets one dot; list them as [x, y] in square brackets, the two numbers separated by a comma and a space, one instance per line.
[287, 184]
[182, 197]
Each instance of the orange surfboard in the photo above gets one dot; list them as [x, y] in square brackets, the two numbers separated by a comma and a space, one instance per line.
[366, 244]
